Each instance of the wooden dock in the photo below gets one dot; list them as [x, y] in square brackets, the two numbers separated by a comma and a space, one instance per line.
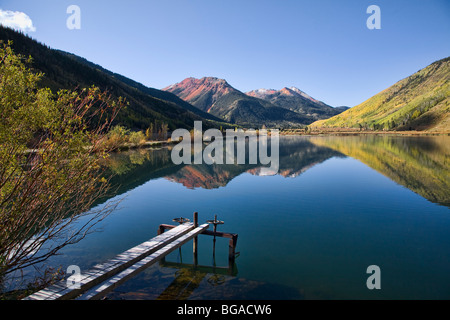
[103, 278]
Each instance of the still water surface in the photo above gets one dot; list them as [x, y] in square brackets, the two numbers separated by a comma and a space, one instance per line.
[337, 206]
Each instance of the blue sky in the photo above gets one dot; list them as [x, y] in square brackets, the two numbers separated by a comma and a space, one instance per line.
[322, 47]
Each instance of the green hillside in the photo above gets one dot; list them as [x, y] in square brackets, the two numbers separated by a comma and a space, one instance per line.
[419, 102]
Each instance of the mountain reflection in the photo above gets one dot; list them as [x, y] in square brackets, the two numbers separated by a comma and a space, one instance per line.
[418, 163]
[296, 156]
[133, 168]
[421, 163]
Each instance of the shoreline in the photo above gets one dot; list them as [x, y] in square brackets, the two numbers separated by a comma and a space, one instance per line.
[168, 143]
[146, 145]
[350, 132]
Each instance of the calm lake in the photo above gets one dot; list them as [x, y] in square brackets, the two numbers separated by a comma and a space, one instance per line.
[337, 206]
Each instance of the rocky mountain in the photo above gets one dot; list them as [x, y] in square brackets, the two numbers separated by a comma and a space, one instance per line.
[202, 93]
[298, 101]
[219, 98]
[418, 102]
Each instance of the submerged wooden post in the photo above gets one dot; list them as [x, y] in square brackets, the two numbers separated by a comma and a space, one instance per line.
[195, 245]
[232, 248]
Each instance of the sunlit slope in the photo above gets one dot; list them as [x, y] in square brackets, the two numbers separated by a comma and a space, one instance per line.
[422, 164]
[419, 102]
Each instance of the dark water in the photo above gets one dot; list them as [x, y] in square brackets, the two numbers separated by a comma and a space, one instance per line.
[337, 206]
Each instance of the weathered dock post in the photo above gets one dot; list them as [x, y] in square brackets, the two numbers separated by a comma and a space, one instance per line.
[232, 244]
[214, 222]
[195, 245]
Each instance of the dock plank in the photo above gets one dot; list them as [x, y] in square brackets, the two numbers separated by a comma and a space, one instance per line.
[101, 289]
[101, 272]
